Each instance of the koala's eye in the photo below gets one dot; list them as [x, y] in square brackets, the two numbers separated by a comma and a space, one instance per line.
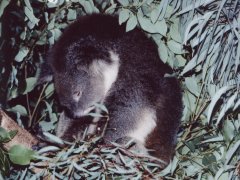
[77, 95]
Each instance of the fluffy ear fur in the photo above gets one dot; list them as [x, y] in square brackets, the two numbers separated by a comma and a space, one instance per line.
[107, 70]
[102, 67]
[46, 74]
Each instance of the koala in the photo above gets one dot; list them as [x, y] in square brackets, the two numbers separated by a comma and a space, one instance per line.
[97, 61]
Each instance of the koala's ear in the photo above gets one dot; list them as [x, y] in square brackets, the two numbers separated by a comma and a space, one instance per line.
[103, 67]
[97, 67]
[46, 73]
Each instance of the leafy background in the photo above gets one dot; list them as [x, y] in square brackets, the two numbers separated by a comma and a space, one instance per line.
[199, 39]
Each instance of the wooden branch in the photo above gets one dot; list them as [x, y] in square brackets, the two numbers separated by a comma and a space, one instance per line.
[22, 137]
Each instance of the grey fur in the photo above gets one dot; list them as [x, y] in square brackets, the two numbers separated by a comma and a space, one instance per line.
[140, 99]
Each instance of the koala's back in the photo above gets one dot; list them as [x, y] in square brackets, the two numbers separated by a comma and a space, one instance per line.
[142, 103]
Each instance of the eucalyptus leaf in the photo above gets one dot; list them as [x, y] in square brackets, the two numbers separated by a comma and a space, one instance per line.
[49, 90]
[226, 107]
[231, 151]
[155, 14]
[175, 47]
[95, 114]
[214, 100]
[20, 109]
[131, 23]
[163, 52]
[158, 27]
[101, 106]
[48, 149]
[174, 32]
[237, 105]
[123, 2]
[30, 15]
[22, 53]
[228, 131]
[30, 84]
[3, 5]
[21, 155]
[53, 138]
[192, 85]
[72, 14]
[214, 139]
[4, 135]
[4, 163]
[123, 16]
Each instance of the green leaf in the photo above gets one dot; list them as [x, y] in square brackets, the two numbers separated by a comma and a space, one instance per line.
[214, 100]
[48, 149]
[57, 34]
[159, 27]
[111, 9]
[146, 9]
[54, 3]
[181, 60]
[72, 14]
[3, 5]
[95, 114]
[123, 2]
[214, 139]
[131, 23]
[174, 32]
[230, 103]
[192, 85]
[20, 109]
[220, 175]
[190, 66]
[208, 159]
[154, 15]
[146, 24]
[21, 155]
[29, 13]
[101, 106]
[236, 105]
[53, 138]
[51, 24]
[30, 84]
[163, 52]
[175, 47]
[12, 133]
[123, 16]
[197, 21]
[228, 131]
[22, 53]
[4, 163]
[49, 90]
[88, 6]
[28, 4]
[4, 135]
[231, 151]
[46, 126]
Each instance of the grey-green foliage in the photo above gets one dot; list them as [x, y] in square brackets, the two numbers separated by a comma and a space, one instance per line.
[199, 39]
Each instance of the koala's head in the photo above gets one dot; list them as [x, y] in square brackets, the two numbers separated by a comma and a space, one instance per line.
[82, 74]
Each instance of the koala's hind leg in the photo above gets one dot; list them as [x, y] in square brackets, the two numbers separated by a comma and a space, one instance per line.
[154, 130]
[161, 141]
[127, 124]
